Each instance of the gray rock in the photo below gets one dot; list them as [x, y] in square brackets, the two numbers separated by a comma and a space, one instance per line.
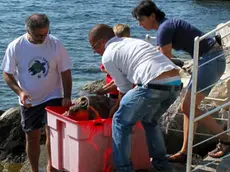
[203, 168]
[93, 86]
[42, 161]
[12, 137]
[1, 112]
[224, 165]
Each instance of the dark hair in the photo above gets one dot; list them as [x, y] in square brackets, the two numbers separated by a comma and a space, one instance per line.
[101, 31]
[37, 21]
[146, 8]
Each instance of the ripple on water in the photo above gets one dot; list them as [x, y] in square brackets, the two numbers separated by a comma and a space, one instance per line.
[71, 21]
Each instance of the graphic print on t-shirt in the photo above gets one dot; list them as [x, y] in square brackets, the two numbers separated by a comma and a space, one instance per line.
[39, 67]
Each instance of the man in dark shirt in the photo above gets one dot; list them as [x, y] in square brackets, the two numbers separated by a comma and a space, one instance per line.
[179, 35]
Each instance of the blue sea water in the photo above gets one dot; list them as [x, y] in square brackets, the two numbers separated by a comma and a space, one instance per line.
[72, 19]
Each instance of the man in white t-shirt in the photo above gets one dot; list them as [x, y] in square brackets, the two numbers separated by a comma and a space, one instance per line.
[36, 66]
[132, 61]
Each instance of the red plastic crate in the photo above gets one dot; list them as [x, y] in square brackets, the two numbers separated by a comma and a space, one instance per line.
[86, 146]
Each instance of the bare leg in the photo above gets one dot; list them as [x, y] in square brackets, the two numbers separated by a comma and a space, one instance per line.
[33, 148]
[186, 129]
[207, 122]
[49, 167]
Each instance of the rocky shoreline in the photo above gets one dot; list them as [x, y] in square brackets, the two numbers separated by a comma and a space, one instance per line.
[12, 140]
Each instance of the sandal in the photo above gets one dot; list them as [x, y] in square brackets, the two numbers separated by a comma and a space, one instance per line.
[222, 148]
[179, 157]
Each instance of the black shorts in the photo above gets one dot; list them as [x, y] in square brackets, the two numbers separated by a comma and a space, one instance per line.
[36, 117]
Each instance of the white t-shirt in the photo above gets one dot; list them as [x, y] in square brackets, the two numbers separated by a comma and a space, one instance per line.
[133, 61]
[37, 67]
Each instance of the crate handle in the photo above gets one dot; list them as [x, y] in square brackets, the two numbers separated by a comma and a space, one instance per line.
[96, 113]
[98, 123]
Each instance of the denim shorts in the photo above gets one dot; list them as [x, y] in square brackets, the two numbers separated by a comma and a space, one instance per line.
[210, 72]
[36, 117]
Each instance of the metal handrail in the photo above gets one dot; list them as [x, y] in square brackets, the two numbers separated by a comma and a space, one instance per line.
[205, 165]
[223, 132]
[192, 118]
[211, 111]
[227, 34]
[148, 38]
[192, 105]
[214, 31]
[221, 80]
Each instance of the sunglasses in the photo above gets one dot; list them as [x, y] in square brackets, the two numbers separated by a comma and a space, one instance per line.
[94, 45]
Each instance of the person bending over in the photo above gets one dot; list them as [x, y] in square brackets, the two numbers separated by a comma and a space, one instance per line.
[133, 61]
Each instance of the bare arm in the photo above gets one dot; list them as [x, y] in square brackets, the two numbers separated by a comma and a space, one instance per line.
[110, 87]
[11, 82]
[103, 70]
[109, 84]
[107, 88]
[167, 50]
[67, 87]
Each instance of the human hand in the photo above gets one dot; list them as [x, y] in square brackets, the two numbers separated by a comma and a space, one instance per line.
[112, 111]
[25, 99]
[66, 102]
[178, 62]
[111, 115]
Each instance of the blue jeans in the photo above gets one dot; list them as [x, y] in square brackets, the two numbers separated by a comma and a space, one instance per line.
[211, 72]
[147, 106]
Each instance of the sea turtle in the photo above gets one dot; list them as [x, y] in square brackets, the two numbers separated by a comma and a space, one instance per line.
[93, 107]
[37, 67]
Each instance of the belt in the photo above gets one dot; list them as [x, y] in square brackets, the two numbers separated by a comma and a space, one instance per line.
[162, 87]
